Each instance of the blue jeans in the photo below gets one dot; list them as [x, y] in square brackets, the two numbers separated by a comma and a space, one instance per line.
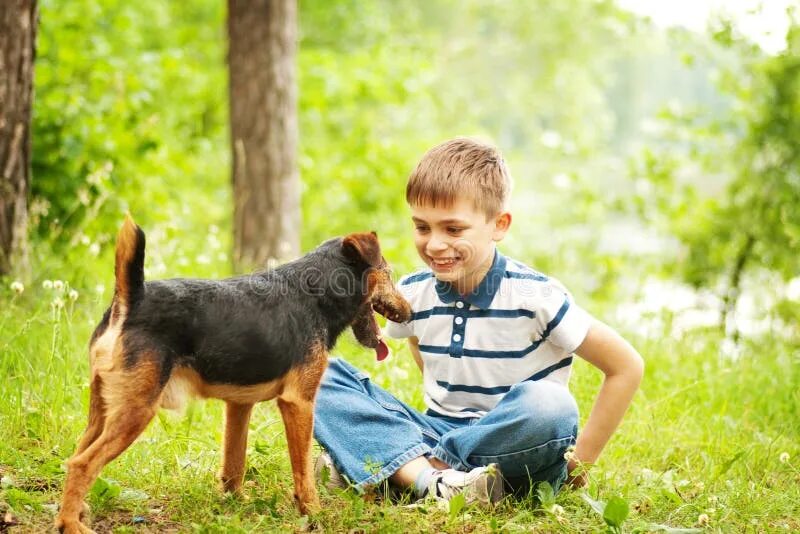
[370, 434]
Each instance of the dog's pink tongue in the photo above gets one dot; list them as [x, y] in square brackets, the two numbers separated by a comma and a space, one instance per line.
[381, 351]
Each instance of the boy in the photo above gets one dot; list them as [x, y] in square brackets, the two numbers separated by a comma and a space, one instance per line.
[494, 341]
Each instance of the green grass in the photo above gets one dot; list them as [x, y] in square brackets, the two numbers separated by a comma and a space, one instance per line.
[703, 439]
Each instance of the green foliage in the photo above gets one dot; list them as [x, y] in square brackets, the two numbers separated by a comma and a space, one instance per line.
[103, 492]
[751, 221]
[129, 114]
[615, 513]
[456, 505]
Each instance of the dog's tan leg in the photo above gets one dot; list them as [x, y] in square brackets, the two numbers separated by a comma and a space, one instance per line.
[298, 418]
[296, 403]
[237, 418]
[97, 417]
[120, 431]
[130, 403]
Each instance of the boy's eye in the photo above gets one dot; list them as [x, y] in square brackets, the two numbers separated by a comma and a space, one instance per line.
[421, 229]
[455, 230]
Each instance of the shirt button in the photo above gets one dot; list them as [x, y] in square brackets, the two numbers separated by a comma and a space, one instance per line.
[459, 304]
[457, 337]
[459, 320]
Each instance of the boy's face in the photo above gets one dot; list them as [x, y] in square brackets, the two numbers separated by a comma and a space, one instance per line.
[457, 242]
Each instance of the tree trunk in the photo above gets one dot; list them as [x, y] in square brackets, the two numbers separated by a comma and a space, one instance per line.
[18, 20]
[731, 297]
[262, 38]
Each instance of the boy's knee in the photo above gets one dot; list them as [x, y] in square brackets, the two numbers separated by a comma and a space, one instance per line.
[546, 403]
[340, 374]
[337, 367]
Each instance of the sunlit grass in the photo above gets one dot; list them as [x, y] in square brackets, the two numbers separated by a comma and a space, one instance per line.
[709, 442]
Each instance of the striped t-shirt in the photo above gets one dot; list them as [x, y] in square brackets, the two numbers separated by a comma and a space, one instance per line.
[517, 325]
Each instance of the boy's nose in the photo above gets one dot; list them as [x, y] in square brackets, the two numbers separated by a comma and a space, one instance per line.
[436, 245]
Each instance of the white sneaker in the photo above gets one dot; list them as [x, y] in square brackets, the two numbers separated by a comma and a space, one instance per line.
[333, 479]
[482, 485]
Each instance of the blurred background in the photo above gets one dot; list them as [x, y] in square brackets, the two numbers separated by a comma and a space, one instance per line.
[653, 147]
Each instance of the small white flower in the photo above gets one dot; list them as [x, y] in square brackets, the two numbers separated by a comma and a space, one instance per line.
[58, 285]
[784, 457]
[57, 303]
[702, 520]
[100, 288]
[83, 196]
[17, 287]
[73, 295]
[47, 284]
[94, 249]
[85, 240]
[557, 510]
[570, 454]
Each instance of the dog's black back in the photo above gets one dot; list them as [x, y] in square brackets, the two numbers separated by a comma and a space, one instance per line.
[246, 329]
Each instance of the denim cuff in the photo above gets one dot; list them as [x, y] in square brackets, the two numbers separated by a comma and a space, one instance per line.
[440, 454]
[389, 469]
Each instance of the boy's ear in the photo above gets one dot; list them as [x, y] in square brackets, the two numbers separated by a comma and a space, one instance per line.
[501, 225]
[363, 247]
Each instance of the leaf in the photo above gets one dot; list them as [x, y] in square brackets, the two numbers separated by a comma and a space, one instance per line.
[105, 490]
[545, 494]
[325, 475]
[616, 511]
[457, 503]
[133, 495]
[597, 506]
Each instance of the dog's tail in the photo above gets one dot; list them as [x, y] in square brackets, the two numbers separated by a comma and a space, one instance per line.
[128, 268]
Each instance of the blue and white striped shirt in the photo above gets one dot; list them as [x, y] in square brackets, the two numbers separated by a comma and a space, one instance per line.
[517, 325]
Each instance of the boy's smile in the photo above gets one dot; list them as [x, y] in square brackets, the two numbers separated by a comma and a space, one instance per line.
[457, 242]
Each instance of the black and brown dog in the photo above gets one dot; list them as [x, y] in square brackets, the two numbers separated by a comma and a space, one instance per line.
[243, 340]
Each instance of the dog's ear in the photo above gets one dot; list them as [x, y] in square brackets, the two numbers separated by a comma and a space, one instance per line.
[363, 247]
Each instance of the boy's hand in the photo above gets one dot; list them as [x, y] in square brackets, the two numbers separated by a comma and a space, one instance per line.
[580, 478]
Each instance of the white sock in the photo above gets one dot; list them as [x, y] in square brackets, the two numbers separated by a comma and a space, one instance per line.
[423, 480]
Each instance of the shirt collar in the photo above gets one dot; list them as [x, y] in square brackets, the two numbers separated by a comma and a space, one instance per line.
[483, 294]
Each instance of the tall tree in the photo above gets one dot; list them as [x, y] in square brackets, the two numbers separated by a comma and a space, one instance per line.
[18, 20]
[262, 38]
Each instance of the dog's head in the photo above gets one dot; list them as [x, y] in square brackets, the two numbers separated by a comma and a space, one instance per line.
[379, 292]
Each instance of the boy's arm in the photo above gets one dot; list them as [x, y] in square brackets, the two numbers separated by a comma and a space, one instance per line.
[623, 368]
[413, 344]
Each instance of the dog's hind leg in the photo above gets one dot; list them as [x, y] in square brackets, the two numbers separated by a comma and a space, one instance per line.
[237, 417]
[130, 398]
[296, 404]
[97, 417]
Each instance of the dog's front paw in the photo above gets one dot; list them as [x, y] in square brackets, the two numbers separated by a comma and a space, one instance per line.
[72, 527]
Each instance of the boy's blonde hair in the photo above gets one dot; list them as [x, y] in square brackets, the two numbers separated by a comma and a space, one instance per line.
[461, 167]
